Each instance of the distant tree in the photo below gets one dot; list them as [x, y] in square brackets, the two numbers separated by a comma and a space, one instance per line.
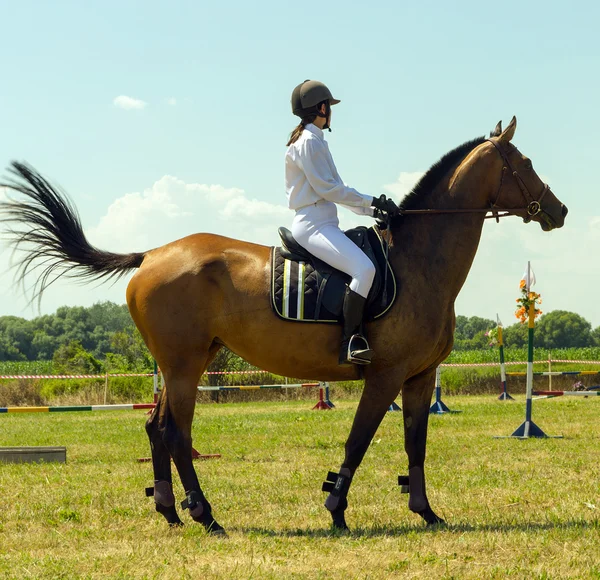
[9, 351]
[43, 345]
[128, 352]
[470, 332]
[18, 333]
[73, 358]
[469, 327]
[563, 329]
[515, 335]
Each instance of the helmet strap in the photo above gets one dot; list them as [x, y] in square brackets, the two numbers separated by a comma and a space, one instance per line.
[326, 115]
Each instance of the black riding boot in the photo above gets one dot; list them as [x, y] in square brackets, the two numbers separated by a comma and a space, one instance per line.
[355, 348]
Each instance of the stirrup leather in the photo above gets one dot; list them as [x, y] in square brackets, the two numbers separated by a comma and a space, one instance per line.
[359, 351]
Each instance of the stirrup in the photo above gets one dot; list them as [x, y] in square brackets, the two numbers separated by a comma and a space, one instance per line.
[358, 351]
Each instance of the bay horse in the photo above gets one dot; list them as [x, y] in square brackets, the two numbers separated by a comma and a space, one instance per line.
[191, 297]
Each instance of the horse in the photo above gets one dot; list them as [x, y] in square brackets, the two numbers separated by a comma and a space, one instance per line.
[191, 297]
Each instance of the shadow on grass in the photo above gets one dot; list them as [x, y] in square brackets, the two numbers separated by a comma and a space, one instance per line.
[390, 531]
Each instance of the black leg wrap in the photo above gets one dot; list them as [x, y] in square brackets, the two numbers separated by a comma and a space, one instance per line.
[201, 512]
[194, 501]
[404, 483]
[337, 484]
[417, 501]
[164, 500]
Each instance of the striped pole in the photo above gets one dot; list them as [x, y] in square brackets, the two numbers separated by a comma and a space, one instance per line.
[528, 428]
[567, 393]
[126, 407]
[504, 396]
[327, 399]
[155, 382]
[257, 387]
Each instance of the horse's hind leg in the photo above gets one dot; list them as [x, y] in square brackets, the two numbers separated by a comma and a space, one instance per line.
[181, 387]
[416, 399]
[161, 462]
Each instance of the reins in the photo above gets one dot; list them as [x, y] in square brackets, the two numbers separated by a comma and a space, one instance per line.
[533, 207]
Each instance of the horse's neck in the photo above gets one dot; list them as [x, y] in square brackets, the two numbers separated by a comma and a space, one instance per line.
[437, 250]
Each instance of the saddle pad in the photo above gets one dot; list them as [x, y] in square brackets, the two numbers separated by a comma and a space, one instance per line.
[300, 293]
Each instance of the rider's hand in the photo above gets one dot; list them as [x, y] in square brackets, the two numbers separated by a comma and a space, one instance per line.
[389, 206]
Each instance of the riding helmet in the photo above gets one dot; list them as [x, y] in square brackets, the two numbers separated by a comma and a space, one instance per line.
[307, 95]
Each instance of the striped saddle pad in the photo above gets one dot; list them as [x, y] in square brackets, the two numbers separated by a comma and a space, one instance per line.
[312, 291]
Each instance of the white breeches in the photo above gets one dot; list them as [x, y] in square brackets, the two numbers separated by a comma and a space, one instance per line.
[316, 228]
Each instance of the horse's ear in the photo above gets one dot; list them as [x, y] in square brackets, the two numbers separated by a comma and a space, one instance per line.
[497, 131]
[509, 132]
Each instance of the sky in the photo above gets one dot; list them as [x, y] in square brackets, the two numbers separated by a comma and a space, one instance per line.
[161, 119]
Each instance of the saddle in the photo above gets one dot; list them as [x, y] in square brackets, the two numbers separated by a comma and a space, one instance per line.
[306, 289]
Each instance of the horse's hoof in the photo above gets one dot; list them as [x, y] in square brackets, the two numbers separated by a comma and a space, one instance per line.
[431, 519]
[214, 529]
[339, 523]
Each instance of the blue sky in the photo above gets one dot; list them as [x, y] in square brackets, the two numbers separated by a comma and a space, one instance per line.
[201, 146]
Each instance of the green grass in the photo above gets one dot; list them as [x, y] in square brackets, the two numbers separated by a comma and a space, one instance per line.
[28, 367]
[522, 509]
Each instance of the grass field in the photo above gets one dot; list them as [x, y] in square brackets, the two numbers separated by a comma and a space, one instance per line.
[522, 509]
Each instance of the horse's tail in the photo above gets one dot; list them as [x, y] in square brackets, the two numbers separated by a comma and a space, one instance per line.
[47, 227]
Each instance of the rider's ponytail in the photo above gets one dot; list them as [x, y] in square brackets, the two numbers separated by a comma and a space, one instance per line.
[295, 134]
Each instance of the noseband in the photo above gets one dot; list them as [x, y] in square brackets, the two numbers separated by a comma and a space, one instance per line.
[533, 205]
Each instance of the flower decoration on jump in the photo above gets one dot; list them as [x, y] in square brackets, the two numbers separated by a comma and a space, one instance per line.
[525, 301]
[492, 336]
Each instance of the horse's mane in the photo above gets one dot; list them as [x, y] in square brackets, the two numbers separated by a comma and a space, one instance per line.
[417, 198]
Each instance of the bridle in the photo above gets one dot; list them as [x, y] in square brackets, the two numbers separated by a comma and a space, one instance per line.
[533, 207]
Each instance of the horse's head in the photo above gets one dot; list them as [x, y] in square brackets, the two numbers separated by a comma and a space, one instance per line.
[520, 189]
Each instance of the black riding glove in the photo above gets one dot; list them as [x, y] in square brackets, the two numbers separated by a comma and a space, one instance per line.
[389, 206]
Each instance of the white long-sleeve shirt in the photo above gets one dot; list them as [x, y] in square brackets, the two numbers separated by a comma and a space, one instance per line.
[311, 175]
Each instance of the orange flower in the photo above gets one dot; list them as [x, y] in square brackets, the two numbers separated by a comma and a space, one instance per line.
[522, 284]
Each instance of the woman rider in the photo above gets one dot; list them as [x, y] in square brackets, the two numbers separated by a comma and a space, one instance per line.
[313, 187]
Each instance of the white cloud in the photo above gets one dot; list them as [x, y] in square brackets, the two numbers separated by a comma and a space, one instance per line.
[404, 184]
[172, 101]
[125, 102]
[172, 208]
[242, 208]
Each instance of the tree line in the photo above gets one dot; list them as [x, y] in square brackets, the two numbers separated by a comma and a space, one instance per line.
[104, 335]
[556, 329]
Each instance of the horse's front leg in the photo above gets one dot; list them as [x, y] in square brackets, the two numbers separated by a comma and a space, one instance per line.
[379, 393]
[416, 399]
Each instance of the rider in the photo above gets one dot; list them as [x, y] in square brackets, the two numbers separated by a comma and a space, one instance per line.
[313, 186]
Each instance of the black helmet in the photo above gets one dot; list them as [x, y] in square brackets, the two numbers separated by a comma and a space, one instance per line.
[307, 95]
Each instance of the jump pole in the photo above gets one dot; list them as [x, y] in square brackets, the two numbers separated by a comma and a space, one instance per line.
[438, 407]
[321, 403]
[528, 428]
[504, 396]
[327, 399]
[155, 382]
[394, 407]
